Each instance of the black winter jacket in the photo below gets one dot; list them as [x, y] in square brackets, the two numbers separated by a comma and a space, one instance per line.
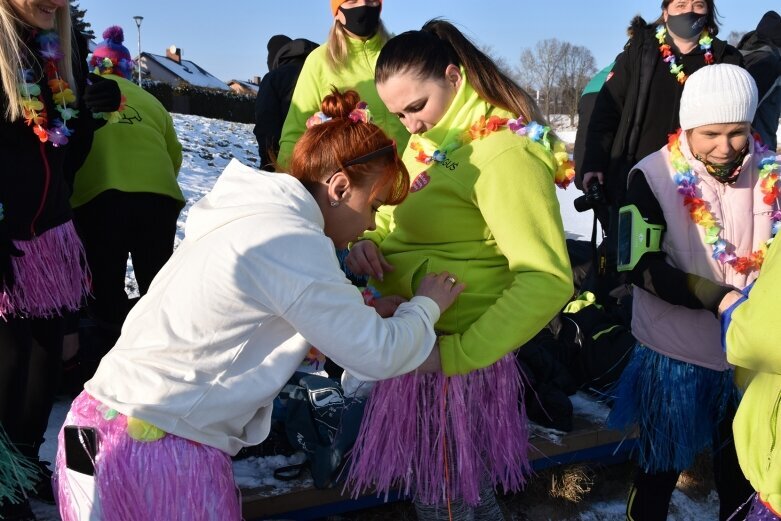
[36, 178]
[274, 95]
[637, 107]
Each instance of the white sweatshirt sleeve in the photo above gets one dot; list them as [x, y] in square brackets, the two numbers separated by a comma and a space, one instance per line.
[333, 318]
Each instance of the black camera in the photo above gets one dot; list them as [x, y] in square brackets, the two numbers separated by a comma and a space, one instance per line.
[594, 196]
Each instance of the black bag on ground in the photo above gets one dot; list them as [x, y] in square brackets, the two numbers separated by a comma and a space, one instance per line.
[544, 361]
[604, 343]
[323, 423]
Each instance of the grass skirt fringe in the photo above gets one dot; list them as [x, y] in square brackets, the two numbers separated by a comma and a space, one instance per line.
[50, 277]
[438, 438]
[168, 479]
[676, 406]
[17, 473]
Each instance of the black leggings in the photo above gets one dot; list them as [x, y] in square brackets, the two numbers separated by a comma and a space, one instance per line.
[30, 365]
[115, 224]
[649, 499]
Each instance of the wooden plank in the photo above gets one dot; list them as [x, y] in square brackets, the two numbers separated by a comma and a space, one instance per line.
[587, 441]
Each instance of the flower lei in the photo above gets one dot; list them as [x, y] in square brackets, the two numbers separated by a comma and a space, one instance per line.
[565, 169]
[698, 209]
[33, 107]
[360, 113]
[705, 41]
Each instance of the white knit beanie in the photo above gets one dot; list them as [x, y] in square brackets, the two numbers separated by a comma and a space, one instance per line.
[719, 93]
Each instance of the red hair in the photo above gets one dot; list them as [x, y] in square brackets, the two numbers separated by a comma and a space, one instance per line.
[326, 148]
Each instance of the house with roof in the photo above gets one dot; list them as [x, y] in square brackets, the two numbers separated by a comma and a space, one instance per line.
[173, 70]
[247, 88]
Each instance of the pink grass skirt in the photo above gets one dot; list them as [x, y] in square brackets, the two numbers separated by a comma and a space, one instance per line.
[50, 277]
[168, 479]
[437, 439]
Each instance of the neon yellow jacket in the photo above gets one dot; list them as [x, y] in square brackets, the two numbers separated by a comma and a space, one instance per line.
[315, 83]
[752, 343]
[487, 214]
[139, 153]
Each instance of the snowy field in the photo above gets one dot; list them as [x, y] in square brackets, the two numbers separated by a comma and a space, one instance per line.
[209, 145]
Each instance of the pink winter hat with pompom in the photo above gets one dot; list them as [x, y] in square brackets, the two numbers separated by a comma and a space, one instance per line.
[110, 56]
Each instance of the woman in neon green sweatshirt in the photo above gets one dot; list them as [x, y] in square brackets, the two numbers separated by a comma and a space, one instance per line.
[345, 61]
[482, 207]
[752, 343]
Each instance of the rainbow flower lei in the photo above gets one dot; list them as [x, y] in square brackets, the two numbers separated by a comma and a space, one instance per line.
[705, 41]
[723, 252]
[565, 168]
[33, 107]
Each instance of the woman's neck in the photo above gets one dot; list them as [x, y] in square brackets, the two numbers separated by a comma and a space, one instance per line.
[684, 45]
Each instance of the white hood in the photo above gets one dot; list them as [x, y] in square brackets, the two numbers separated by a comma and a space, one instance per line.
[242, 191]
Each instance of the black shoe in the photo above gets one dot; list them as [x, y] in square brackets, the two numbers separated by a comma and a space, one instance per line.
[17, 512]
[43, 488]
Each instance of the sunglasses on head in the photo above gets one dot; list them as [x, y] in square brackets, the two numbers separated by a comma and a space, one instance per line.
[360, 160]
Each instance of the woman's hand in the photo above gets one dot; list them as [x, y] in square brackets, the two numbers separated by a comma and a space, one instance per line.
[386, 306]
[442, 289]
[365, 259]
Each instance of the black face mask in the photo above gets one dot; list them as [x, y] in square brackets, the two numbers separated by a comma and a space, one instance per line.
[724, 173]
[686, 25]
[362, 21]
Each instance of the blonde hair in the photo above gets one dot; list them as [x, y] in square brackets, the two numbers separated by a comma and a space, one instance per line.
[13, 48]
[337, 44]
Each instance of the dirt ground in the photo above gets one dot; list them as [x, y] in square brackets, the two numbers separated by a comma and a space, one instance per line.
[562, 494]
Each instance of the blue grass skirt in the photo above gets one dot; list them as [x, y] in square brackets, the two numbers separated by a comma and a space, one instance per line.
[676, 407]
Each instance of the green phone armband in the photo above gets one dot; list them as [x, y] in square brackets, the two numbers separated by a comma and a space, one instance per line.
[635, 237]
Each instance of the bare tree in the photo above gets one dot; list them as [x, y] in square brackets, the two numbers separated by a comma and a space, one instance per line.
[735, 37]
[500, 62]
[577, 67]
[540, 68]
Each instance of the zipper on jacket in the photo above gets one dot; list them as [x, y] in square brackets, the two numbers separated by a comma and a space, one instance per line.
[773, 429]
[47, 178]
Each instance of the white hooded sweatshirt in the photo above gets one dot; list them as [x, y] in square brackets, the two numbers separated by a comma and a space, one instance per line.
[232, 314]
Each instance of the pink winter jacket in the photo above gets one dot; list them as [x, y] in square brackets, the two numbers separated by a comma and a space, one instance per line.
[685, 334]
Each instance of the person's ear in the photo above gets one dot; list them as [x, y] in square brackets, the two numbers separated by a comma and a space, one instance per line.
[338, 188]
[665, 15]
[453, 76]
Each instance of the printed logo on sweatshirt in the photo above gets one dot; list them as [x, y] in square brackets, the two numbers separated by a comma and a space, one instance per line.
[420, 182]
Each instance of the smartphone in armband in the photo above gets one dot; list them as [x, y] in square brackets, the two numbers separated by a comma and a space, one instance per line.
[81, 447]
[635, 237]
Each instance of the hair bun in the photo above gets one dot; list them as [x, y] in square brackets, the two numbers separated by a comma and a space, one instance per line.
[114, 34]
[340, 104]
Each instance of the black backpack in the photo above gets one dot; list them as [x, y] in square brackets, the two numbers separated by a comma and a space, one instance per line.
[321, 421]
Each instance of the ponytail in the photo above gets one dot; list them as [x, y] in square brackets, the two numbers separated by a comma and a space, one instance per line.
[444, 45]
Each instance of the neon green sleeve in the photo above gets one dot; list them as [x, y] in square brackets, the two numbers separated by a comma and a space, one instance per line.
[516, 196]
[306, 100]
[752, 341]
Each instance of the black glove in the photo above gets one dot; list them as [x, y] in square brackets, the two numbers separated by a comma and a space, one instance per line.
[101, 94]
[708, 293]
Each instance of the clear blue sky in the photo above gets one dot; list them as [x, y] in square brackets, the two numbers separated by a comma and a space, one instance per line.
[228, 38]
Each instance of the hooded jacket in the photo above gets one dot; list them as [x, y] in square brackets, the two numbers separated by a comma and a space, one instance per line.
[232, 315]
[318, 78]
[761, 50]
[274, 95]
[637, 107]
[753, 344]
[489, 215]
[145, 133]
